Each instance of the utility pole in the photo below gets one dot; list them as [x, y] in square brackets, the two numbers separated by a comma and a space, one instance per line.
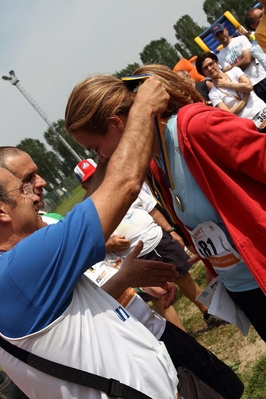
[15, 82]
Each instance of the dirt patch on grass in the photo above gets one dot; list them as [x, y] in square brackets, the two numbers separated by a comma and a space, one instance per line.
[227, 342]
[250, 353]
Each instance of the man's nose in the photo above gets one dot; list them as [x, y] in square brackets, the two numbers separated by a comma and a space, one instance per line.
[40, 182]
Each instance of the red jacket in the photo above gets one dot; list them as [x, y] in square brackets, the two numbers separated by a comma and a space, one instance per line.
[227, 157]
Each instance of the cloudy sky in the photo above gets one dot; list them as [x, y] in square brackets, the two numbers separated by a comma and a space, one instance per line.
[53, 44]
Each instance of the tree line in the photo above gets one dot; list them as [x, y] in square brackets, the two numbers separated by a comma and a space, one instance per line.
[57, 164]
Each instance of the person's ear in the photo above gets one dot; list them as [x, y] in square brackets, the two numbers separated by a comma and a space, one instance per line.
[119, 122]
[4, 213]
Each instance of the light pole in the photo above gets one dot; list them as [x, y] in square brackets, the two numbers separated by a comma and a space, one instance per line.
[15, 82]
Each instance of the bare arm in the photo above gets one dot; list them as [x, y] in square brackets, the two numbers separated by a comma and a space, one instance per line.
[236, 108]
[161, 221]
[209, 84]
[243, 63]
[125, 173]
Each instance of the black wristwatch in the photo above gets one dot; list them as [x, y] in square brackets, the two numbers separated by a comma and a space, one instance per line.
[170, 230]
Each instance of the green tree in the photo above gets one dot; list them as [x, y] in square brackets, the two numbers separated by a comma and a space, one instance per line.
[160, 52]
[128, 70]
[185, 32]
[215, 9]
[49, 165]
[68, 159]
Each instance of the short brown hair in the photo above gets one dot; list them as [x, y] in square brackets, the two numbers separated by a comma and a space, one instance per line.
[201, 58]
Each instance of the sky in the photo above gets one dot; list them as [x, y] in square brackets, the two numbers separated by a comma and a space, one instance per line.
[53, 44]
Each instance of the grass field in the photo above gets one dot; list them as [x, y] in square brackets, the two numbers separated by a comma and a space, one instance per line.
[245, 355]
[67, 204]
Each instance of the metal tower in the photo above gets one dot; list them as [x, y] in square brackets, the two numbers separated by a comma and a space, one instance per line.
[15, 82]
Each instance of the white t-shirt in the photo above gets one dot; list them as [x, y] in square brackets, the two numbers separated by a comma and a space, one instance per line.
[229, 97]
[233, 54]
[118, 347]
[103, 271]
[139, 225]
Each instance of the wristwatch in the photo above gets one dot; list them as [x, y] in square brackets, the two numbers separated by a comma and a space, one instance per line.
[170, 230]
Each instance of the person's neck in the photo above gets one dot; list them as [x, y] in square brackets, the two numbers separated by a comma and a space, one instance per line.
[9, 241]
[5, 247]
[227, 43]
[222, 75]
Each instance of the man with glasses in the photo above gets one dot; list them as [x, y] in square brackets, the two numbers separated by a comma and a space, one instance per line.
[24, 168]
[21, 165]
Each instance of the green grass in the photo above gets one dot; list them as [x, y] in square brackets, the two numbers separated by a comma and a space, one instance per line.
[256, 380]
[67, 204]
[245, 355]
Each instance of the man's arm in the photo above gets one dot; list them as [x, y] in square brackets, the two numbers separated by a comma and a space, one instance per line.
[245, 60]
[161, 221]
[128, 165]
[259, 54]
[243, 63]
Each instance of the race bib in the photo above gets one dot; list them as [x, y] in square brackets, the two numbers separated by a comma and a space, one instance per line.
[211, 243]
[100, 275]
[260, 119]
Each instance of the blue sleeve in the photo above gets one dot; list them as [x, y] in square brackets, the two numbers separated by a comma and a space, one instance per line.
[38, 276]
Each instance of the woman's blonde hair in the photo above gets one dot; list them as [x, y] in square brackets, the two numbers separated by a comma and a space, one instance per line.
[180, 92]
[93, 101]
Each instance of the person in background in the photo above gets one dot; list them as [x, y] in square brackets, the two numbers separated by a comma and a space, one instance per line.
[252, 20]
[203, 87]
[66, 193]
[236, 52]
[232, 90]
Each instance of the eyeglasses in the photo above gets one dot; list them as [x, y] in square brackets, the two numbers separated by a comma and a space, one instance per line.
[25, 189]
[210, 65]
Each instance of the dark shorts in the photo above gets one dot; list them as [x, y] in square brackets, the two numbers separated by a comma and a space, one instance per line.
[253, 304]
[169, 251]
[260, 89]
